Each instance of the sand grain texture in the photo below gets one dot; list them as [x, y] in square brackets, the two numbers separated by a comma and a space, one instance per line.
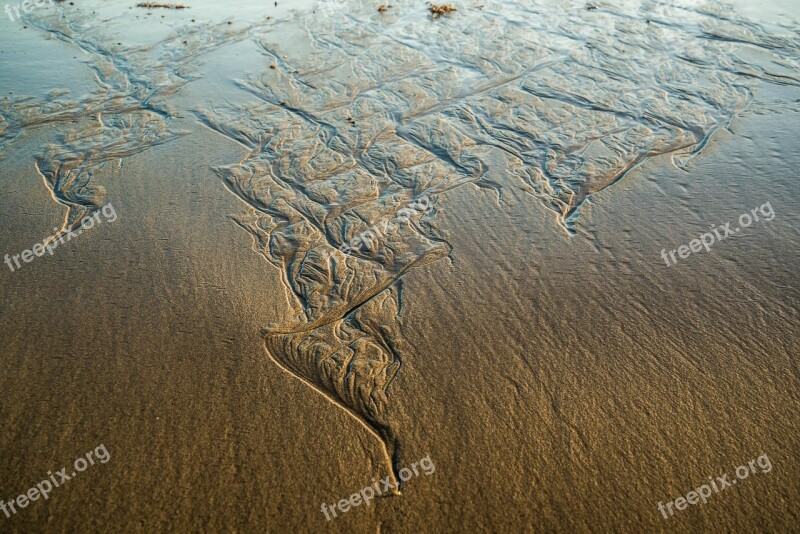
[350, 238]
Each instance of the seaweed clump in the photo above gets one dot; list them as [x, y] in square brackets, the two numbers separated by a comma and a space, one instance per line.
[439, 10]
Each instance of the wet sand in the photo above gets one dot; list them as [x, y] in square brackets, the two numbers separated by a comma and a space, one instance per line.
[242, 367]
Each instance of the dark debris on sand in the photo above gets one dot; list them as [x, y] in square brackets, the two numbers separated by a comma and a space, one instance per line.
[157, 5]
[439, 10]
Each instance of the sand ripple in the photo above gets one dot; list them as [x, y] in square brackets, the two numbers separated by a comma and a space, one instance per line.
[368, 111]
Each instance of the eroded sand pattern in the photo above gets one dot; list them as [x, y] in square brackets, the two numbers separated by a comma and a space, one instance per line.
[127, 113]
[387, 107]
[369, 111]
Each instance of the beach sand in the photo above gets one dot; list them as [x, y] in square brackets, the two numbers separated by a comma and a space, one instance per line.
[524, 334]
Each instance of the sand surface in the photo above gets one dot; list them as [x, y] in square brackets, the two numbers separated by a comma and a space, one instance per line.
[330, 242]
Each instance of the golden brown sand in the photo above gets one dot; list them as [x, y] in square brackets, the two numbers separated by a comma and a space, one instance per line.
[349, 241]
